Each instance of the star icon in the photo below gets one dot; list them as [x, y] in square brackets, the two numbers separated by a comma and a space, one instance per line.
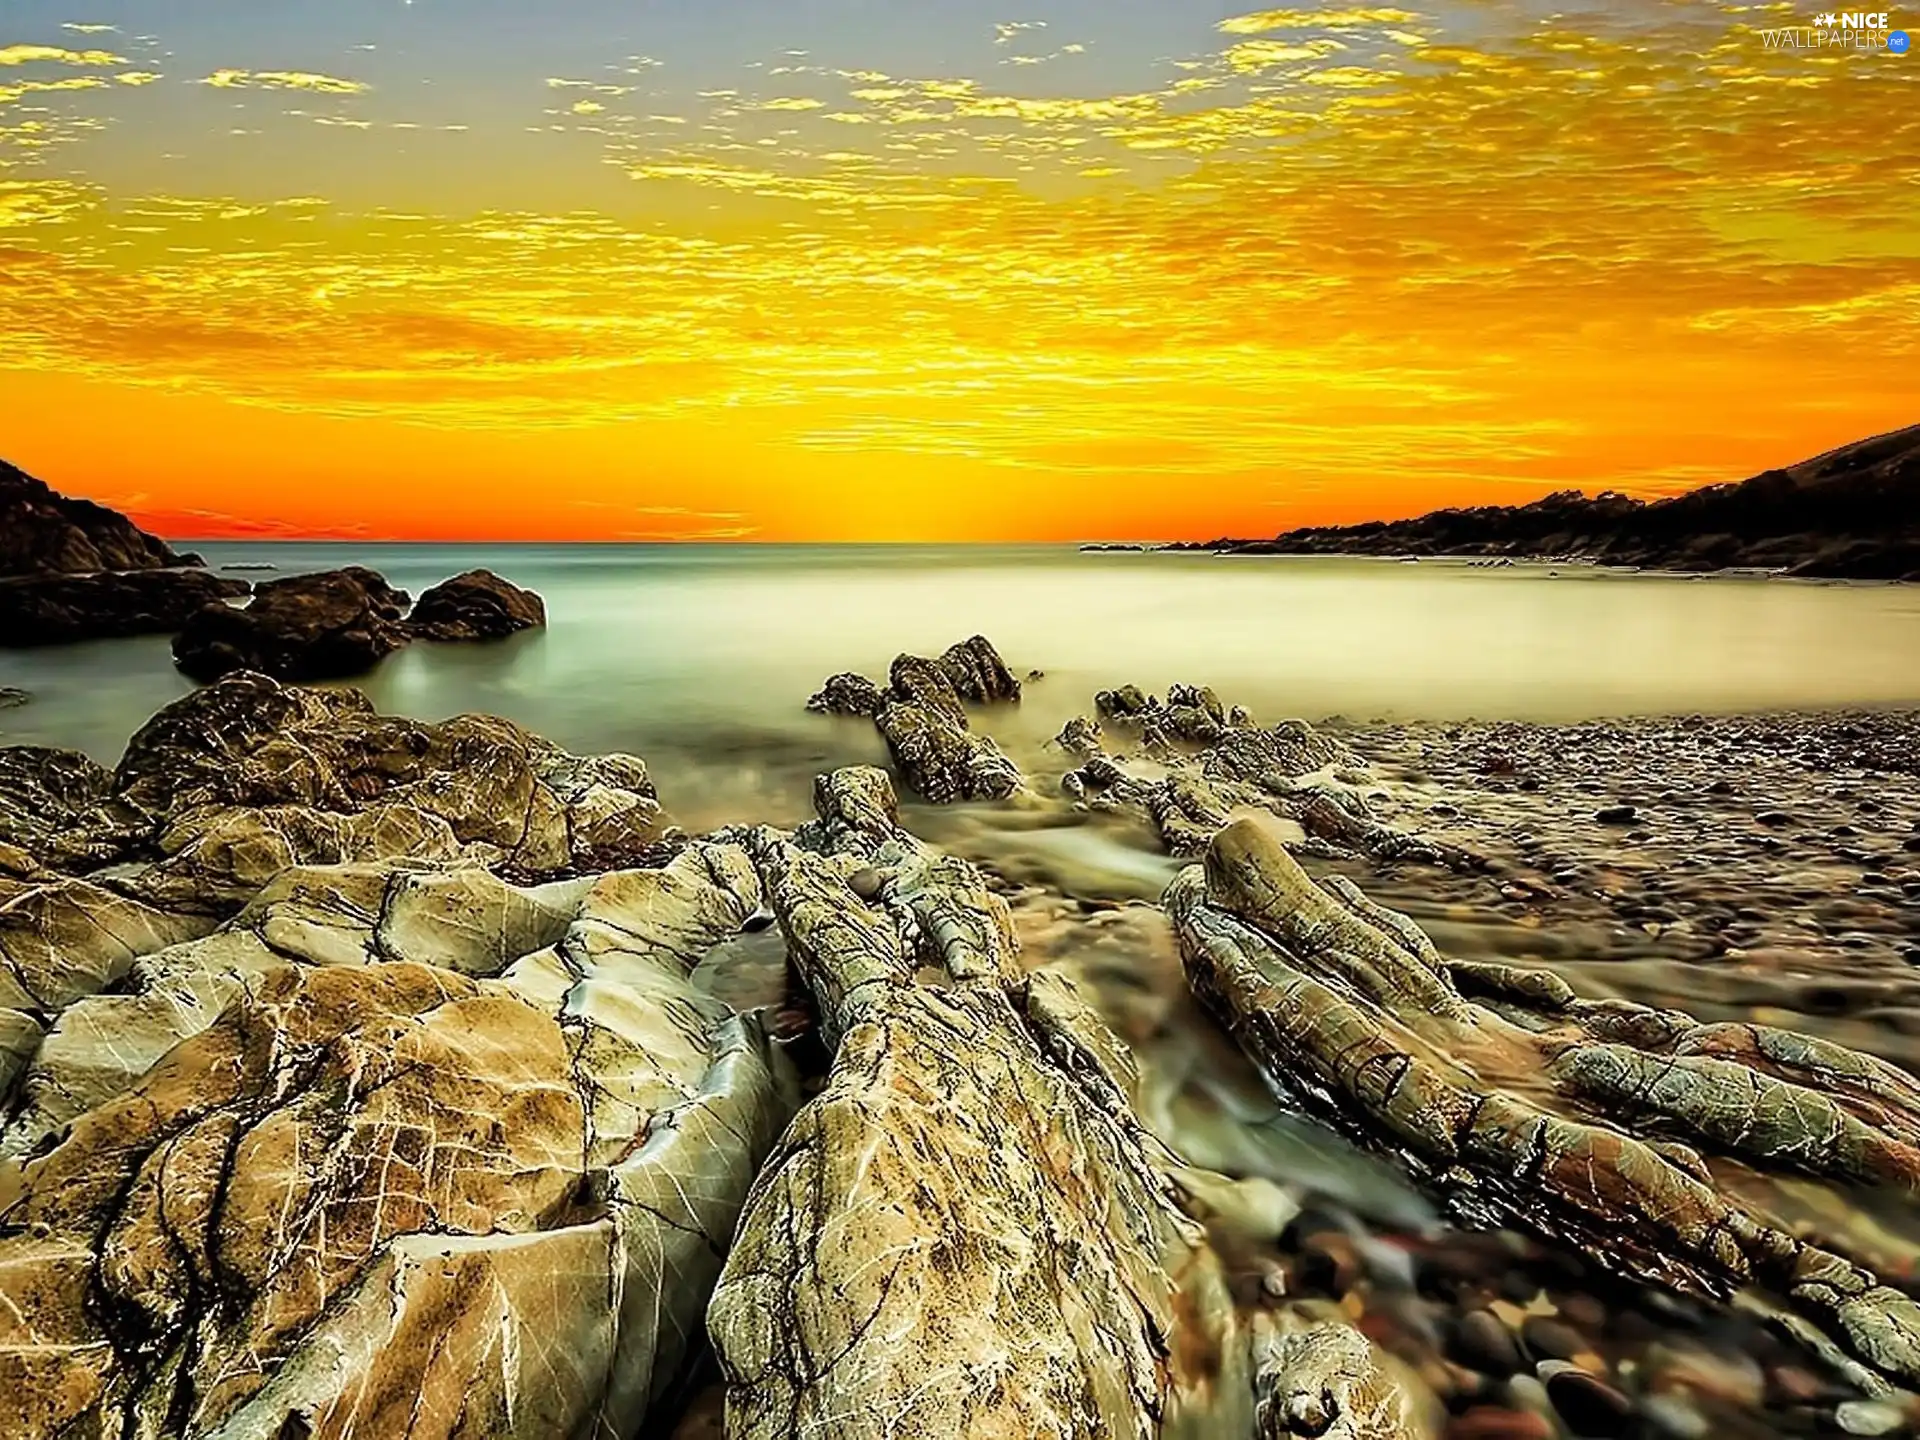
[1825, 21]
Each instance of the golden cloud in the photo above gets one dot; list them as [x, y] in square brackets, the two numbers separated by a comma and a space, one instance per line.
[285, 80]
[1262, 21]
[55, 55]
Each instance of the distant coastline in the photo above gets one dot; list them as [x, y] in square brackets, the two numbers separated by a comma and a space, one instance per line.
[1850, 514]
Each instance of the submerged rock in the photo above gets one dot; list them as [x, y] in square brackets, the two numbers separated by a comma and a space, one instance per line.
[1521, 1105]
[306, 627]
[1207, 763]
[61, 609]
[478, 605]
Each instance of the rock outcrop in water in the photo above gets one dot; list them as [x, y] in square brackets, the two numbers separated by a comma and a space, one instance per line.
[478, 605]
[923, 717]
[324, 626]
[43, 532]
[1852, 513]
[61, 609]
[230, 785]
[341, 623]
[1521, 1103]
[968, 1232]
[1204, 763]
[73, 570]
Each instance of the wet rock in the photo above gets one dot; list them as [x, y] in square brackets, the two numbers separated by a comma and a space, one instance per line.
[1482, 1342]
[847, 694]
[977, 672]
[1492, 1422]
[975, 1127]
[1211, 762]
[12, 698]
[922, 715]
[1617, 815]
[1550, 1339]
[306, 627]
[478, 605]
[230, 785]
[1870, 1417]
[1349, 1006]
[1590, 1407]
[1325, 1380]
[62, 609]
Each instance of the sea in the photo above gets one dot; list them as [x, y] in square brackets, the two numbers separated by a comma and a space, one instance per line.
[700, 658]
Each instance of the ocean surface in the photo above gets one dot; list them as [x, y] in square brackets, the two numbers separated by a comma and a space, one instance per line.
[700, 658]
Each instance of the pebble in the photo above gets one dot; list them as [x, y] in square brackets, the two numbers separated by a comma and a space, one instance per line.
[1482, 1343]
[1591, 1407]
[1869, 1417]
[1550, 1339]
[1675, 1415]
[1492, 1422]
[865, 883]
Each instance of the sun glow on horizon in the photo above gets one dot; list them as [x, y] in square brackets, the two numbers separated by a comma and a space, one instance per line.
[1318, 264]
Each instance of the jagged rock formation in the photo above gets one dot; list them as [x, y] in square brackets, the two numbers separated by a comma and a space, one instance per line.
[923, 717]
[478, 605]
[899, 1268]
[1520, 1102]
[397, 1151]
[230, 785]
[1205, 763]
[306, 627]
[61, 609]
[1850, 513]
[43, 532]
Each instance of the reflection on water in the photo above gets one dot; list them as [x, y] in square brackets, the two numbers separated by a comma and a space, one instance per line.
[699, 657]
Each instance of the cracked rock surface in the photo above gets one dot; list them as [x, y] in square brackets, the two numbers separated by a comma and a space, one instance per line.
[968, 1232]
[1626, 1131]
[393, 1152]
[1200, 764]
[923, 718]
[225, 788]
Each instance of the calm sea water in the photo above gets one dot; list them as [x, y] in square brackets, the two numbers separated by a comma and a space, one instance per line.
[700, 658]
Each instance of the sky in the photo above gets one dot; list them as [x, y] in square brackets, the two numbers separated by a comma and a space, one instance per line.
[957, 270]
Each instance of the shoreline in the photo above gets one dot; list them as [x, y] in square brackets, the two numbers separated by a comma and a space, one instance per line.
[268, 853]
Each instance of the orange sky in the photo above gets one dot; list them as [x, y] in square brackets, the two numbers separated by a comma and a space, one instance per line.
[1101, 274]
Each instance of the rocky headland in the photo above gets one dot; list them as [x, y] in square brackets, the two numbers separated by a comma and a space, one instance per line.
[73, 570]
[361, 1077]
[1852, 513]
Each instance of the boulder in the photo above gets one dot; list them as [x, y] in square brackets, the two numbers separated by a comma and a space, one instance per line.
[43, 532]
[306, 627]
[478, 605]
[60, 609]
[237, 781]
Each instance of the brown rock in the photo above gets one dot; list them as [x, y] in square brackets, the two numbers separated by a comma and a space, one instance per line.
[305, 627]
[478, 605]
[43, 532]
[61, 609]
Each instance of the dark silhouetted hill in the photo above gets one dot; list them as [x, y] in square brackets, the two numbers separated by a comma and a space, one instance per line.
[1852, 513]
